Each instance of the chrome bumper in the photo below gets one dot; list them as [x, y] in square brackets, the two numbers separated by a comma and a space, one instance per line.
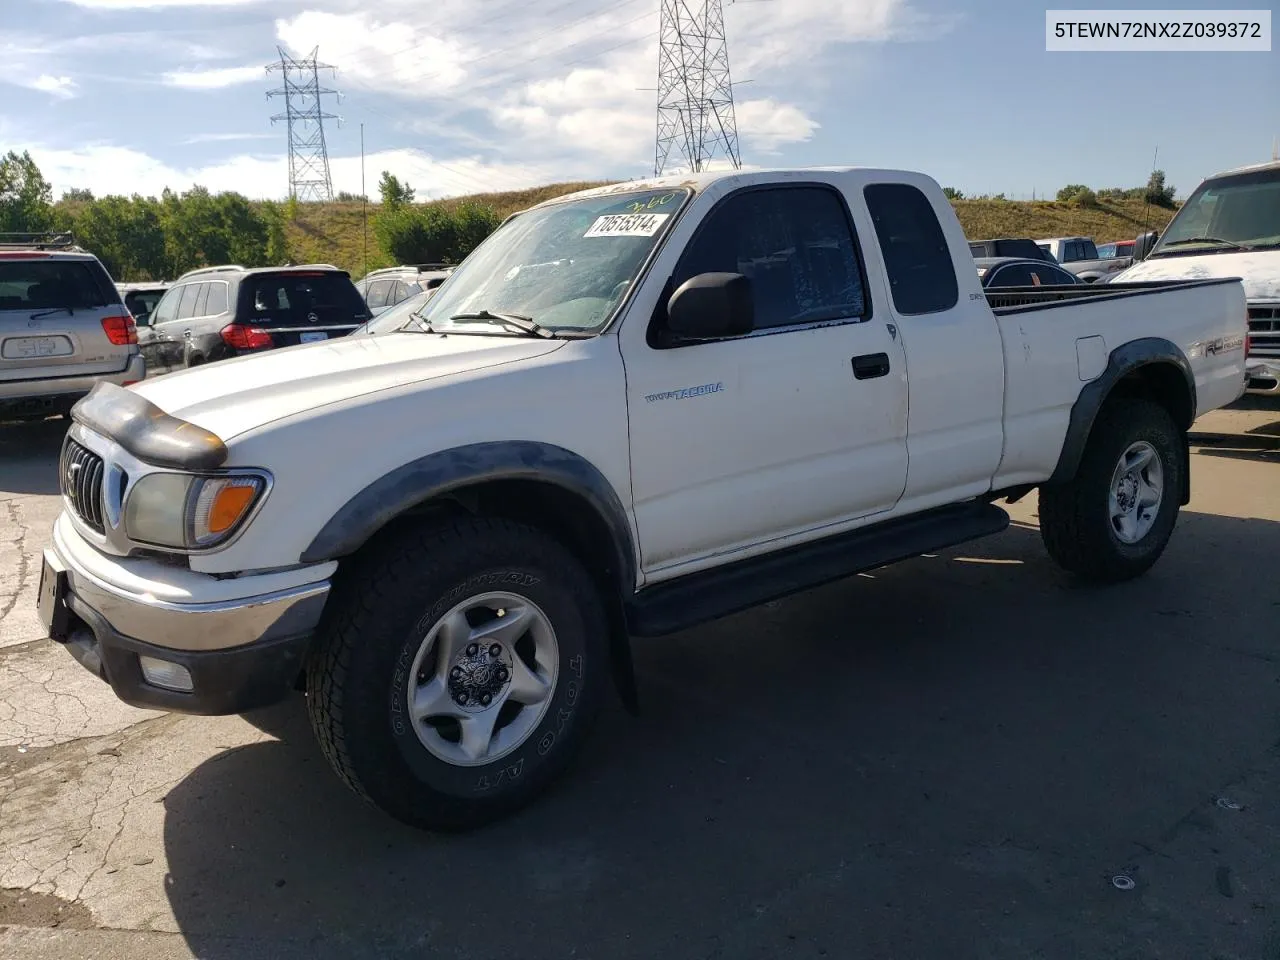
[215, 625]
[1262, 375]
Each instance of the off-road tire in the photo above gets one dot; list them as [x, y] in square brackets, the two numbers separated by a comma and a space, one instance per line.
[1075, 521]
[374, 623]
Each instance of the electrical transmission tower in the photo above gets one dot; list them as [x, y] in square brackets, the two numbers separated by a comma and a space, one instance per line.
[308, 155]
[695, 92]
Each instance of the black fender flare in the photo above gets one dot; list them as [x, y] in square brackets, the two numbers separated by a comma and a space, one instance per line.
[1124, 360]
[441, 473]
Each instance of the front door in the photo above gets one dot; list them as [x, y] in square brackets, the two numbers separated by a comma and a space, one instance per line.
[750, 442]
[152, 338]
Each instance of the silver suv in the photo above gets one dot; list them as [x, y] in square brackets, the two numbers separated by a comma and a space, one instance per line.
[383, 289]
[63, 326]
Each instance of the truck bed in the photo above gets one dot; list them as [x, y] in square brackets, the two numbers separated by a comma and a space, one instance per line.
[1057, 338]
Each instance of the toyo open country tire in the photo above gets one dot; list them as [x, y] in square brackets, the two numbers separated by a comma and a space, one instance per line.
[1112, 520]
[458, 670]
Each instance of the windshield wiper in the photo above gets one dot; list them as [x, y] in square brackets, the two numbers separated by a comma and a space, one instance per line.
[522, 323]
[423, 323]
[1217, 240]
[40, 315]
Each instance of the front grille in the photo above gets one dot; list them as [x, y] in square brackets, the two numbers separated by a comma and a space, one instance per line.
[1264, 331]
[81, 473]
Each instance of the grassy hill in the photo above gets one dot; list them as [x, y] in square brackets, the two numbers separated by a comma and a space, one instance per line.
[333, 232]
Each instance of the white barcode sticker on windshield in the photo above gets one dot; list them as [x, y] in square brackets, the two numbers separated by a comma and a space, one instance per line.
[627, 225]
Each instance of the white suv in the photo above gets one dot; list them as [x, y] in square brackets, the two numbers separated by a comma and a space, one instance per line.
[63, 326]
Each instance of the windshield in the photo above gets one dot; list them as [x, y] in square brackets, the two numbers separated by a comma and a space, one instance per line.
[1226, 214]
[565, 266]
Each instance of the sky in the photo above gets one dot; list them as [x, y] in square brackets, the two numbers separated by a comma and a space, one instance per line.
[464, 96]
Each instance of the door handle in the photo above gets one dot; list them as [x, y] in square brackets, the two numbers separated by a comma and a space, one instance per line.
[870, 365]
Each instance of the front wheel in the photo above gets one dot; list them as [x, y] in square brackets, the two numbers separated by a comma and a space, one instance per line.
[1113, 520]
[458, 672]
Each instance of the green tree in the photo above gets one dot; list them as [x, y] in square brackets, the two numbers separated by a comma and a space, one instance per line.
[474, 223]
[951, 193]
[394, 193]
[77, 195]
[126, 235]
[26, 199]
[1070, 191]
[277, 240]
[1157, 192]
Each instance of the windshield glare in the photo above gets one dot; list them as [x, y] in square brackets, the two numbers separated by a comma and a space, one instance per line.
[566, 266]
[1243, 210]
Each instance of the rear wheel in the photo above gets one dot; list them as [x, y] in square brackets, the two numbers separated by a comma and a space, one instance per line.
[458, 672]
[1113, 520]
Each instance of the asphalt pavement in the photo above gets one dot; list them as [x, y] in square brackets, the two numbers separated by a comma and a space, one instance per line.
[966, 755]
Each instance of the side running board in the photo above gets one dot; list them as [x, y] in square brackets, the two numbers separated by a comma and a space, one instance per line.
[706, 596]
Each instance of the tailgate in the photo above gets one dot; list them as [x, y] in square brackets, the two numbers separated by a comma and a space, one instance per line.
[51, 314]
[301, 306]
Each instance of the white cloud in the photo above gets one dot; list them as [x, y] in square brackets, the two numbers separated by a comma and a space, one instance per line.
[393, 56]
[110, 169]
[228, 137]
[766, 124]
[596, 112]
[61, 87]
[214, 79]
[154, 4]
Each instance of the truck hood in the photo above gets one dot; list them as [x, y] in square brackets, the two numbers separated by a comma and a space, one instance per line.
[1260, 271]
[232, 396]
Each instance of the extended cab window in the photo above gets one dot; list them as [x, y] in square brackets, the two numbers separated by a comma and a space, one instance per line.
[795, 245]
[922, 275]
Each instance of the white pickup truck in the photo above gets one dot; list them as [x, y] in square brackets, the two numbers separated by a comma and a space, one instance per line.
[1229, 227]
[631, 410]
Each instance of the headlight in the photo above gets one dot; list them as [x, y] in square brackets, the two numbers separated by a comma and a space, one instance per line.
[189, 512]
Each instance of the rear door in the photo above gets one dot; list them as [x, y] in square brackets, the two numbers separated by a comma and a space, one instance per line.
[52, 311]
[301, 306]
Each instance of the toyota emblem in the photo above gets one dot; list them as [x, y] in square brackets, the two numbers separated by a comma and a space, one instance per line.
[313, 318]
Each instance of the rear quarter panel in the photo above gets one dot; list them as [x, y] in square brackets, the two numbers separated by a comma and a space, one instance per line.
[1052, 351]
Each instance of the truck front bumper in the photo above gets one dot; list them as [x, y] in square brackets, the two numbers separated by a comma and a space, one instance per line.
[211, 657]
[1263, 376]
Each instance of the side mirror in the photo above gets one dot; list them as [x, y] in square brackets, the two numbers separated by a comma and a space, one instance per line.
[142, 320]
[711, 306]
[1143, 243]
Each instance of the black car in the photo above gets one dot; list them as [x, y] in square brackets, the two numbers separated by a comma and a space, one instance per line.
[221, 312]
[1022, 272]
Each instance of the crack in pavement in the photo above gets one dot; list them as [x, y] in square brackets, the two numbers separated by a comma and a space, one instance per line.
[14, 511]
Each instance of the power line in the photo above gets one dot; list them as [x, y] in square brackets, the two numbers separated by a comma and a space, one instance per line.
[695, 89]
[309, 177]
